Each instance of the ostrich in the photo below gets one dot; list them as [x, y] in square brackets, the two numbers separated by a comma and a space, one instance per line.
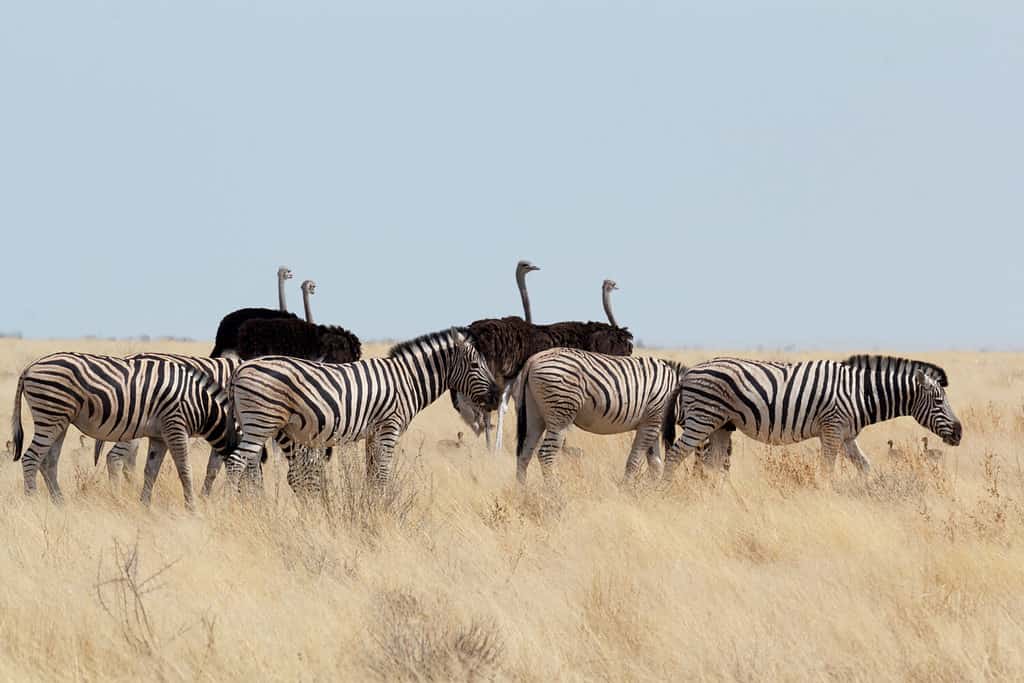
[230, 325]
[298, 339]
[894, 453]
[931, 453]
[452, 444]
[508, 342]
[308, 290]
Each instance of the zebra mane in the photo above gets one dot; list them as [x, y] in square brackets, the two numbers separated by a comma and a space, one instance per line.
[897, 364]
[413, 345]
[675, 365]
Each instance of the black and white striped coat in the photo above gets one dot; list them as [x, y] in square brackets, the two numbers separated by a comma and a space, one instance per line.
[113, 399]
[320, 404]
[781, 403]
[121, 458]
[598, 393]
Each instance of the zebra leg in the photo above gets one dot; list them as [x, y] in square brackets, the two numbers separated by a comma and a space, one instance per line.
[549, 446]
[644, 441]
[385, 439]
[655, 465]
[212, 470]
[530, 412]
[155, 458]
[831, 442]
[38, 451]
[695, 433]
[177, 441]
[116, 457]
[50, 469]
[130, 458]
[856, 456]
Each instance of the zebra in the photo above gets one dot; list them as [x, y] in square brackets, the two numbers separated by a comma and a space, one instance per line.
[114, 399]
[782, 403]
[121, 458]
[599, 393]
[320, 404]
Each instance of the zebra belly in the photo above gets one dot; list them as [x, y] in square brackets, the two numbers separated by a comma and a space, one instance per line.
[774, 437]
[592, 420]
[112, 432]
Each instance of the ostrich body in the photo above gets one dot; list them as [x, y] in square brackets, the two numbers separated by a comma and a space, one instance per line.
[226, 340]
[297, 339]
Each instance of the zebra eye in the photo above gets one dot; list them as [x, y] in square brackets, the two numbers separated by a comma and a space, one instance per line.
[474, 365]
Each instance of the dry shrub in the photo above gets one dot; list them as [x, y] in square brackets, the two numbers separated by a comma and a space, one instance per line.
[367, 507]
[787, 470]
[420, 642]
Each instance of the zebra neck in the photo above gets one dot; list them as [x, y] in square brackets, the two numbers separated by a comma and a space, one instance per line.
[883, 396]
[427, 376]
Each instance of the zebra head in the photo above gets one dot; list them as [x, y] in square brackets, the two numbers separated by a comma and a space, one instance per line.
[470, 375]
[930, 407]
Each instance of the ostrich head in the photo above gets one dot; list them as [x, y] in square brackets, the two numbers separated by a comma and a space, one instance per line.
[524, 267]
[308, 286]
[890, 443]
[284, 273]
[609, 286]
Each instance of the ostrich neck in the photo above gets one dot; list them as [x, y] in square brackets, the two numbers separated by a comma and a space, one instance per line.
[305, 303]
[280, 295]
[608, 307]
[521, 281]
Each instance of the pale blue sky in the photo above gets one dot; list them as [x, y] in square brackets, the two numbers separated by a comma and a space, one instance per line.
[750, 173]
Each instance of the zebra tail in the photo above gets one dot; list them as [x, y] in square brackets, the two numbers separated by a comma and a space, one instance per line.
[96, 453]
[521, 414]
[19, 434]
[668, 420]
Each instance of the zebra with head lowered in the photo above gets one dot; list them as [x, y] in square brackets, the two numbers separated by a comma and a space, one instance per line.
[321, 404]
[782, 403]
[112, 399]
[121, 458]
[601, 394]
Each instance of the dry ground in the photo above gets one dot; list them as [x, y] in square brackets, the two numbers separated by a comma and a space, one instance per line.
[917, 573]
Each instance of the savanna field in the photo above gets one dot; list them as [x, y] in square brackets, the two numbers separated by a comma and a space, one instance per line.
[914, 573]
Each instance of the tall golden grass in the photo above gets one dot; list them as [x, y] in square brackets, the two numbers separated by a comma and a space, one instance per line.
[916, 573]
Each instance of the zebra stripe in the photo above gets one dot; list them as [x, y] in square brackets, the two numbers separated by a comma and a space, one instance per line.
[598, 393]
[112, 399]
[320, 404]
[781, 403]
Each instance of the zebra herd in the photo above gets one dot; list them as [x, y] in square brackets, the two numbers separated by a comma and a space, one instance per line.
[239, 406]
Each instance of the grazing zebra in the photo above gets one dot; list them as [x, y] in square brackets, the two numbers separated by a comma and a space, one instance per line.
[781, 403]
[320, 404]
[112, 399]
[121, 458]
[601, 394]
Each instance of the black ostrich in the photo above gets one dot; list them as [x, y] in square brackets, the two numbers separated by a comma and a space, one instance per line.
[298, 338]
[228, 330]
[508, 342]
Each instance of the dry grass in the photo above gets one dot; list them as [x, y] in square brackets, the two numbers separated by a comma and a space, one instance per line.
[915, 574]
